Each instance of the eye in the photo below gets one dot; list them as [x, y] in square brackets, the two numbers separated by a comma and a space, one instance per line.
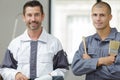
[102, 15]
[94, 15]
[37, 14]
[29, 15]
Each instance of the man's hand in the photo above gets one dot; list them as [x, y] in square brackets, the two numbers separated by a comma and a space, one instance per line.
[20, 76]
[86, 56]
[113, 54]
[106, 60]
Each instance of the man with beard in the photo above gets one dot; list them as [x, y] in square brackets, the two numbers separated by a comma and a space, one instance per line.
[94, 58]
[34, 55]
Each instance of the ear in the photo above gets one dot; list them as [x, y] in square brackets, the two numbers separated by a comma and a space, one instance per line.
[43, 16]
[23, 17]
[110, 16]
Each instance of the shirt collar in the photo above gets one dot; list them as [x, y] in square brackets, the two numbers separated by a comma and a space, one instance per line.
[110, 37]
[42, 37]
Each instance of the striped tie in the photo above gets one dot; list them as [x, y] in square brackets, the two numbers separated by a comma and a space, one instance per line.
[33, 58]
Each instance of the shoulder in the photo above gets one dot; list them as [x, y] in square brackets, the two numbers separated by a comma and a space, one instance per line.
[54, 42]
[118, 36]
[90, 38]
[52, 39]
[15, 42]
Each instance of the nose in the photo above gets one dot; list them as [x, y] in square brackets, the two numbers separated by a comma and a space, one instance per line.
[33, 18]
[98, 17]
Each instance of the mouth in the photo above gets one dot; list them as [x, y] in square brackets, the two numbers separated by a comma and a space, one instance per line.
[33, 23]
[98, 24]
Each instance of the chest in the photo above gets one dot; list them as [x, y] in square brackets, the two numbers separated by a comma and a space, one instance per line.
[44, 52]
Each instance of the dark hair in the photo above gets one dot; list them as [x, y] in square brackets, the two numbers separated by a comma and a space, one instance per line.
[33, 3]
[101, 4]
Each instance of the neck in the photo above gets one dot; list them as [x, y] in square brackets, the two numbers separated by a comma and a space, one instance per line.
[34, 34]
[104, 33]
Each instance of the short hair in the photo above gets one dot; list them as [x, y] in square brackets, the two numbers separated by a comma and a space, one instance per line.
[33, 3]
[101, 4]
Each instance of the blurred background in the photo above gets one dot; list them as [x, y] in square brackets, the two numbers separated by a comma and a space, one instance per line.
[68, 20]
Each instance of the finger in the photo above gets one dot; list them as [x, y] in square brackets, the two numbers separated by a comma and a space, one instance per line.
[25, 78]
[17, 79]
